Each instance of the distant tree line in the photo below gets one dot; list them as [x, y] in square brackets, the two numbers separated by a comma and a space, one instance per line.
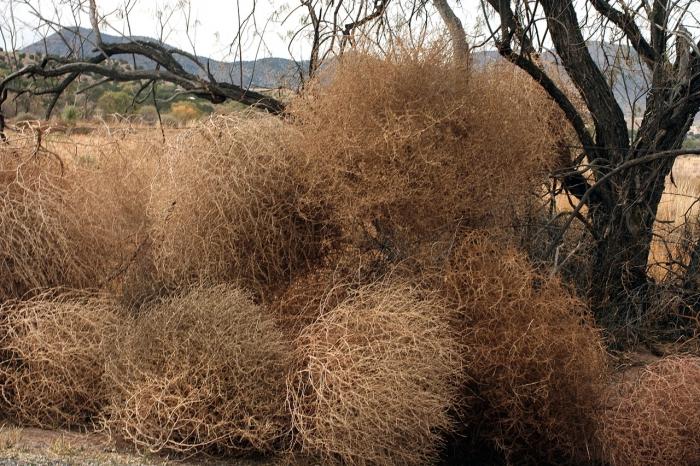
[92, 97]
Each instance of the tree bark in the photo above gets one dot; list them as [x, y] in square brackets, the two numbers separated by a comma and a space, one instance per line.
[460, 46]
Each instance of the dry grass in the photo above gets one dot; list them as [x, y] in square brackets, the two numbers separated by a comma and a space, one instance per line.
[231, 209]
[53, 348]
[676, 227]
[654, 418]
[378, 375]
[411, 144]
[9, 437]
[202, 371]
[536, 363]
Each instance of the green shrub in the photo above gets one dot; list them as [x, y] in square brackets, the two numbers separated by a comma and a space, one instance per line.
[112, 102]
[70, 114]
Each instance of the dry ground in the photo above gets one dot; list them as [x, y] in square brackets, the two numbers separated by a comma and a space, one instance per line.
[30, 446]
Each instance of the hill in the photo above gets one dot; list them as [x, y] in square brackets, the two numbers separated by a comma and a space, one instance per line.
[265, 72]
[620, 64]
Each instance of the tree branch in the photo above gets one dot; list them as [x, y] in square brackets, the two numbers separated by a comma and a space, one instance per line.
[627, 24]
[624, 166]
[171, 71]
[550, 87]
[456, 30]
[380, 7]
[611, 127]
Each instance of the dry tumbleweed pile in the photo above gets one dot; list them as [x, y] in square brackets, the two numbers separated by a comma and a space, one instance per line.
[377, 377]
[654, 420]
[53, 357]
[202, 371]
[536, 364]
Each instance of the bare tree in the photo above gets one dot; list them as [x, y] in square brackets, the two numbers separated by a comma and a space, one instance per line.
[328, 26]
[621, 203]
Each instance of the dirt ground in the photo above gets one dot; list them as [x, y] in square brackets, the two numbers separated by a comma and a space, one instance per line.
[31, 446]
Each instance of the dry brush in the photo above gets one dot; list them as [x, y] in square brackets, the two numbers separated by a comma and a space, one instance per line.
[53, 350]
[376, 379]
[203, 371]
[652, 419]
[536, 364]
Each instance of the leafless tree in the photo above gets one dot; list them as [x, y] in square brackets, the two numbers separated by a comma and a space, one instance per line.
[618, 174]
[327, 26]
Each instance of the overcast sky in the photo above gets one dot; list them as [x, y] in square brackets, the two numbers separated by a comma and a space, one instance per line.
[216, 23]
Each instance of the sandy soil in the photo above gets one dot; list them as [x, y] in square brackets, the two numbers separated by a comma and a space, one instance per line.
[30, 446]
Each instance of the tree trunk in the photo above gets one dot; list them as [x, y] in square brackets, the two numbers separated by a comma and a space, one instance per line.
[624, 222]
[460, 46]
[619, 265]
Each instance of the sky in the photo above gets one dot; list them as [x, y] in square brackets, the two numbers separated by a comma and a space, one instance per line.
[215, 23]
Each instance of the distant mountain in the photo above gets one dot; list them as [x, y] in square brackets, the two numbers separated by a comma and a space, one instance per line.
[621, 65]
[264, 72]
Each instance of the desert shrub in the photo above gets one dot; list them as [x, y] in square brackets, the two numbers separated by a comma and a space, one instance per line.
[116, 195]
[141, 285]
[71, 224]
[42, 241]
[536, 364]
[307, 298]
[321, 289]
[185, 111]
[202, 371]
[70, 114]
[204, 107]
[232, 208]
[652, 419]
[148, 114]
[411, 144]
[115, 102]
[53, 349]
[169, 121]
[25, 116]
[377, 376]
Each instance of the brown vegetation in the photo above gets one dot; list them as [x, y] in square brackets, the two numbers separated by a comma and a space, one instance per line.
[53, 358]
[42, 240]
[535, 362]
[323, 288]
[362, 225]
[653, 419]
[231, 209]
[71, 223]
[202, 371]
[407, 147]
[378, 375]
